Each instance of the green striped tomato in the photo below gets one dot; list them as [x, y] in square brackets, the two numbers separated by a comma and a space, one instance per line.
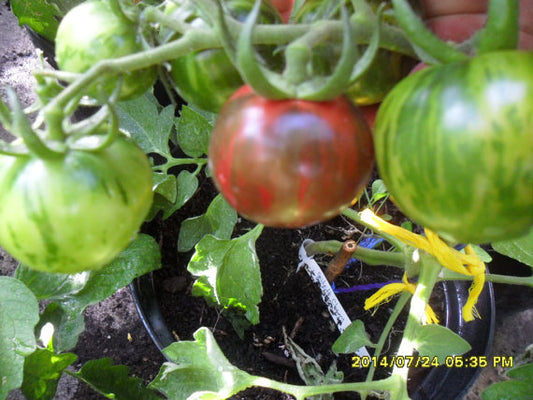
[290, 163]
[97, 30]
[75, 212]
[454, 145]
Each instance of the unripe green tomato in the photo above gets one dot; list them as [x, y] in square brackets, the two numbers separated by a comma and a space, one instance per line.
[454, 146]
[208, 78]
[75, 212]
[94, 31]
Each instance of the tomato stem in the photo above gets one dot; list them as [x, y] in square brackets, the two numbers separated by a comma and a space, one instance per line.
[429, 271]
[368, 256]
[336, 83]
[448, 275]
[391, 384]
[355, 216]
[174, 162]
[21, 127]
[502, 27]
[429, 47]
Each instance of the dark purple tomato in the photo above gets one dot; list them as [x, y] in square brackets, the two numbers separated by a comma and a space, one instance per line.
[290, 163]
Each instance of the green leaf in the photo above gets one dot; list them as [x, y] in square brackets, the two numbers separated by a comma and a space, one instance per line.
[522, 373]
[113, 382]
[199, 370]
[228, 272]
[518, 388]
[40, 15]
[139, 258]
[352, 339]
[510, 390]
[481, 253]
[186, 186]
[219, 221]
[51, 286]
[165, 186]
[65, 314]
[42, 370]
[193, 131]
[68, 324]
[520, 249]
[438, 341]
[165, 193]
[19, 313]
[379, 191]
[148, 127]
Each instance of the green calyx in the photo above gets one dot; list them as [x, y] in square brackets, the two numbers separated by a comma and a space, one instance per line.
[295, 81]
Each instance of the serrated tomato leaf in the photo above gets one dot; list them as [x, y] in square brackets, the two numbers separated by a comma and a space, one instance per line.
[438, 341]
[19, 313]
[228, 272]
[520, 249]
[42, 370]
[113, 381]
[193, 132]
[219, 221]
[65, 313]
[352, 339]
[199, 370]
[149, 127]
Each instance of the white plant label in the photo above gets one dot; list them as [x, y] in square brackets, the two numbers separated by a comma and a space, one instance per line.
[337, 312]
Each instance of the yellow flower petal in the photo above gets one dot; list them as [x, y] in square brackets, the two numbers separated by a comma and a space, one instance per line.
[384, 294]
[467, 263]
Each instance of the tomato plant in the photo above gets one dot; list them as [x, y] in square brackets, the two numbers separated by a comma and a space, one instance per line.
[453, 145]
[107, 34]
[208, 78]
[73, 212]
[290, 163]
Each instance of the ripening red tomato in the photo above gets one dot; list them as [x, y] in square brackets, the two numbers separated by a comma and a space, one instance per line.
[290, 163]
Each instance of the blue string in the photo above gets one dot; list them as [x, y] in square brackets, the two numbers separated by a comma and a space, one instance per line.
[368, 286]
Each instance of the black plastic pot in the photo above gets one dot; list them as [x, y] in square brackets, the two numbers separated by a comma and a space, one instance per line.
[45, 45]
[440, 383]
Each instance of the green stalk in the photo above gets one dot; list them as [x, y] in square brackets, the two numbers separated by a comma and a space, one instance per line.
[448, 275]
[355, 216]
[431, 46]
[262, 81]
[335, 84]
[400, 304]
[368, 256]
[502, 27]
[202, 39]
[21, 127]
[174, 162]
[429, 271]
[391, 384]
